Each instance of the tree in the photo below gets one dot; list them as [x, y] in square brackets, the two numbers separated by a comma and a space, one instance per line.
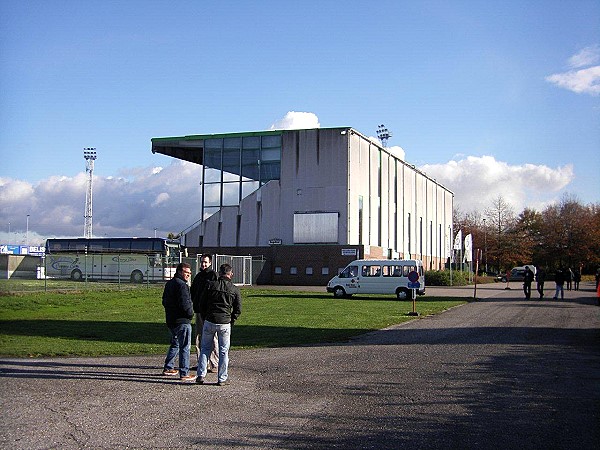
[501, 242]
[528, 231]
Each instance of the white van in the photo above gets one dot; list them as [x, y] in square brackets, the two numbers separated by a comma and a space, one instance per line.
[377, 276]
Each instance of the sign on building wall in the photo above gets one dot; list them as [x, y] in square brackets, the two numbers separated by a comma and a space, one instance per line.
[316, 228]
[7, 249]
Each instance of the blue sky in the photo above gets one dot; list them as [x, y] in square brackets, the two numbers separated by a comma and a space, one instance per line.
[490, 98]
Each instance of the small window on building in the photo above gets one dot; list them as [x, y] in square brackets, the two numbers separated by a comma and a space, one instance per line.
[309, 271]
[293, 270]
[324, 270]
[277, 270]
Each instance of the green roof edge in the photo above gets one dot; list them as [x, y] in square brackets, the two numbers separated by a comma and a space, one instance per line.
[193, 137]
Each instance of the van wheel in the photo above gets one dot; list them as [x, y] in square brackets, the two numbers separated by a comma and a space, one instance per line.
[137, 276]
[76, 275]
[402, 294]
[339, 292]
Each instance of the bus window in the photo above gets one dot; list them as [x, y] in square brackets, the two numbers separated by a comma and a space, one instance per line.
[371, 271]
[396, 271]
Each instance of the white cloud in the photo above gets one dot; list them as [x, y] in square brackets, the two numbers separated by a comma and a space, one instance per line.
[398, 152]
[586, 57]
[476, 181]
[584, 80]
[296, 120]
[161, 198]
[132, 204]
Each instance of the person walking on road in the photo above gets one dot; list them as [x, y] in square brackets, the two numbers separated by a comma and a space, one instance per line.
[576, 279]
[179, 312]
[200, 282]
[220, 307]
[527, 280]
[568, 278]
[540, 278]
[559, 280]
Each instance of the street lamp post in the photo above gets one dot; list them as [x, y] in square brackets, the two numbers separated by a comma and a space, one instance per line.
[155, 231]
[485, 244]
[27, 231]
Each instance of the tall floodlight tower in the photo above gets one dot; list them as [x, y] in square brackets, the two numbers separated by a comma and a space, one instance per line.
[383, 134]
[90, 156]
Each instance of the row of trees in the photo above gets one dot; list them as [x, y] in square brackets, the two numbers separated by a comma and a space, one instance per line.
[566, 234]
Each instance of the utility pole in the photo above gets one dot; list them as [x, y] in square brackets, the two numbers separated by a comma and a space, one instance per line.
[89, 154]
[485, 244]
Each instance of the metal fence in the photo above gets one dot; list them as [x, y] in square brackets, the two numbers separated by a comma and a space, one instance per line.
[70, 271]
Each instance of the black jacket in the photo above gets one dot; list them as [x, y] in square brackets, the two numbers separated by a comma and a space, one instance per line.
[199, 284]
[220, 302]
[177, 302]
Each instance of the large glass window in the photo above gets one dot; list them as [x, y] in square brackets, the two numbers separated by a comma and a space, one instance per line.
[212, 153]
[235, 167]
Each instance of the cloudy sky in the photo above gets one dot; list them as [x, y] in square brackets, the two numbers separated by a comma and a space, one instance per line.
[488, 98]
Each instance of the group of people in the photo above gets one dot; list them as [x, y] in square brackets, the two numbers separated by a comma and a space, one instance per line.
[561, 276]
[217, 303]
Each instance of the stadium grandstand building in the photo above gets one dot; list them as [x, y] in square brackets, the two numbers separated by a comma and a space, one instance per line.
[310, 201]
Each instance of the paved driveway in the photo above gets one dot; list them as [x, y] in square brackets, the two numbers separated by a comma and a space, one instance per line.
[500, 372]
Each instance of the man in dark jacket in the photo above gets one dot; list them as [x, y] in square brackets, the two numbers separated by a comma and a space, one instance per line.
[179, 312]
[220, 306]
[527, 280]
[540, 277]
[559, 280]
[200, 282]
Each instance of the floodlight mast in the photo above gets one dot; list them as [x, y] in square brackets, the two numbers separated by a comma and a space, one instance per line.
[89, 153]
[383, 134]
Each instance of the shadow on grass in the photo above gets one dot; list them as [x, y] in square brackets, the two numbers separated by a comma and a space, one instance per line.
[158, 334]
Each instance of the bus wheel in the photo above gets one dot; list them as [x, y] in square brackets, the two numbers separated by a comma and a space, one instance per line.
[339, 292]
[137, 276]
[402, 294]
[76, 275]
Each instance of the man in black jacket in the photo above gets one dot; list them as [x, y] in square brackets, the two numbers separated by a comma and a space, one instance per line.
[200, 282]
[220, 306]
[527, 280]
[179, 312]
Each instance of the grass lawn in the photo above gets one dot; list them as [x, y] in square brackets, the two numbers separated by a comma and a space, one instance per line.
[110, 320]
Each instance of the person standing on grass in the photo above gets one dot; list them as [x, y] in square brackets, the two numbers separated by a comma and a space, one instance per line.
[200, 282]
[179, 312]
[559, 280]
[220, 306]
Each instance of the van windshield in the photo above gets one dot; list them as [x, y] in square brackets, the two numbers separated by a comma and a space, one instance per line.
[349, 272]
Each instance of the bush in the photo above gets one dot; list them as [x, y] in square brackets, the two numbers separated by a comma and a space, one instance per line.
[442, 278]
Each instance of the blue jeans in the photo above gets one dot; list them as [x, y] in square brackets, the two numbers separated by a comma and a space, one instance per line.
[223, 331]
[559, 288]
[181, 341]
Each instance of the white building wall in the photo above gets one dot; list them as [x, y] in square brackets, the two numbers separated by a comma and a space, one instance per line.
[326, 170]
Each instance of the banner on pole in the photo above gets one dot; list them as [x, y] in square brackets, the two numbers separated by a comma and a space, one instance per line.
[468, 248]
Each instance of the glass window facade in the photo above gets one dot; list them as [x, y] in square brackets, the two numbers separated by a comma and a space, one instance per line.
[235, 167]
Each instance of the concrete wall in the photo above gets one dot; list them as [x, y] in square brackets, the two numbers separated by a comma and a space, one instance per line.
[19, 266]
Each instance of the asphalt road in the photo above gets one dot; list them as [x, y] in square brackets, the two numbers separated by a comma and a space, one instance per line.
[500, 372]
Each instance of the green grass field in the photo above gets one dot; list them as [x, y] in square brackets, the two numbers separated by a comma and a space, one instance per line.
[112, 320]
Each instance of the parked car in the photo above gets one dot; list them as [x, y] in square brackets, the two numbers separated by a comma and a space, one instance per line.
[516, 274]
